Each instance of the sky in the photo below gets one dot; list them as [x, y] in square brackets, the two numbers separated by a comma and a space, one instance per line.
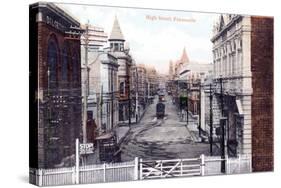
[154, 36]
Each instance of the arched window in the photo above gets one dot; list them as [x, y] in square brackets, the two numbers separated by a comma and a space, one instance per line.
[64, 70]
[52, 59]
[122, 88]
[75, 67]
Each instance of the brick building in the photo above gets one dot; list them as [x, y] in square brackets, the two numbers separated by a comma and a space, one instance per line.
[55, 83]
[262, 105]
[243, 73]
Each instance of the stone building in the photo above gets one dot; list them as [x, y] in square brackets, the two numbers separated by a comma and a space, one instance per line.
[55, 75]
[124, 59]
[134, 91]
[102, 87]
[243, 63]
[142, 86]
[103, 90]
[189, 76]
[179, 84]
[152, 81]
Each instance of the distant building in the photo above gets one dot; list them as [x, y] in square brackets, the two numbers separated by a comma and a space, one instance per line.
[188, 78]
[142, 86]
[152, 81]
[243, 60]
[58, 93]
[171, 70]
[195, 73]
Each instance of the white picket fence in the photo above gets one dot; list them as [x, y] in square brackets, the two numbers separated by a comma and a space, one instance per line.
[125, 171]
[138, 169]
[236, 165]
[241, 164]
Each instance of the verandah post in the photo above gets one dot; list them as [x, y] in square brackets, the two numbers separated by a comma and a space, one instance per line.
[202, 165]
[104, 172]
[136, 174]
[40, 176]
[77, 161]
[140, 169]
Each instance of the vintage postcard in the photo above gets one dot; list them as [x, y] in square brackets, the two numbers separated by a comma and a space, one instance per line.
[121, 94]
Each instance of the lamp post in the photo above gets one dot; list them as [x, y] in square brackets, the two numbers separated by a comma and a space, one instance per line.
[187, 92]
[222, 127]
[199, 111]
[211, 120]
[137, 95]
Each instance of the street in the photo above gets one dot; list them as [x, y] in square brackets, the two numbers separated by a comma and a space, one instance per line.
[159, 139]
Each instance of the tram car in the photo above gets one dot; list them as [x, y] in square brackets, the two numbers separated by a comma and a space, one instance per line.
[161, 98]
[160, 110]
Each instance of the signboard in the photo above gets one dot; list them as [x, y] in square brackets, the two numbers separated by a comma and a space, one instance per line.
[87, 148]
[223, 122]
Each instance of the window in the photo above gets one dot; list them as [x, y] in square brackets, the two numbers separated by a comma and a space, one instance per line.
[75, 67]
[64, 70]
[52, 59]
[122, 88]
[116, 47]
[233, 64]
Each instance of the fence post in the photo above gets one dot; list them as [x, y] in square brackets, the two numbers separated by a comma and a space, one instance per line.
[228, 164]
[77, 161]
[140, 169]
[161, 168]
[249, 157]
[239, 163]
[136, 175]
[104, 173]
[202, 165]
[40, 176]
[73, 175]
[181, 167]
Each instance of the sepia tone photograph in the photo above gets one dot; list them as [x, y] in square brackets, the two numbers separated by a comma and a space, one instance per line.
[123, 94]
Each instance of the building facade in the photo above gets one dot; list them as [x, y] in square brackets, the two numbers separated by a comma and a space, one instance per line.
[102, 102]
[152, 81]
[103, 90]
[243, 74]
[58, 93]
[124, 59]
[189, 78]
[142, 85]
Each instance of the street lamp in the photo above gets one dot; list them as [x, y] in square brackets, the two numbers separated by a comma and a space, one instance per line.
[211, 119]
[222, 127]
[200, 110]
[223, 121]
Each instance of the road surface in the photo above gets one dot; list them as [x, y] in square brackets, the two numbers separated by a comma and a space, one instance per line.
[160, 139]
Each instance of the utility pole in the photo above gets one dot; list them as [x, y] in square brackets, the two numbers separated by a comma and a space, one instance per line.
[129, 93]
[187, 89]
[85, 94]
[211, 120]
[137, 96]
[112, 98]
[199, 111]
[222, 124]
[101, 104]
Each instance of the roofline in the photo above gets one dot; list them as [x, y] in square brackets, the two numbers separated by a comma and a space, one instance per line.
[112, 39]
[216, 36]
[57, 10]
